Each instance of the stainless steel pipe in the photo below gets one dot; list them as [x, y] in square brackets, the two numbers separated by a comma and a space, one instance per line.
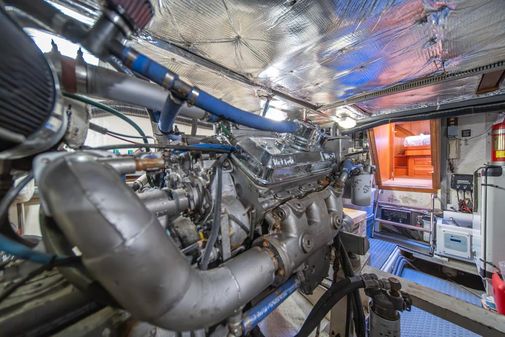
[127, 251]
[80, 77]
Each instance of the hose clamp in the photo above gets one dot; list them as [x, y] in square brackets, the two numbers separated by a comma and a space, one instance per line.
[169, 80]
[193, 96]
[130, 57]
[118, 20]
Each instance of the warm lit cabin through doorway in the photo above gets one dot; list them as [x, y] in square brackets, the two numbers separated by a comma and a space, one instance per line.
[406, 155]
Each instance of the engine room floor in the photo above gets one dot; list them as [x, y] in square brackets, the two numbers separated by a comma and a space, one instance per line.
[288, 318]
[420, 323]
[380, 251]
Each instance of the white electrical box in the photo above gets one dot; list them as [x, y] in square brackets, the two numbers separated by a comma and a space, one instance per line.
[453, 150]
[455, 241]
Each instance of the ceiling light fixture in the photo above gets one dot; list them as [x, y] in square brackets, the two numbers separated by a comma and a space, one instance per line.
[346, 122]
[275, 114]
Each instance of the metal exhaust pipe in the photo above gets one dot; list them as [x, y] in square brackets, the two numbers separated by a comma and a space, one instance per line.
[126, 249]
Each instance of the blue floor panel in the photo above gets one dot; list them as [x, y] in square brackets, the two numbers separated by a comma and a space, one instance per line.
[380, 251]
[443, 286]
[417, 322]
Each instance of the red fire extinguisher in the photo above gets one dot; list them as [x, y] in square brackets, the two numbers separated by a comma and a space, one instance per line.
[498, 141]
[499, 293]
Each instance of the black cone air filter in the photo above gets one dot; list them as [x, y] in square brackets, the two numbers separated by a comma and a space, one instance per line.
[27, 94]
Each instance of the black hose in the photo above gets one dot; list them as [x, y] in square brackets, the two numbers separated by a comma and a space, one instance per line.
[105, 131]
[358, 312]
[240, 223]
[216, 220]
[332, 296]
[348, 316]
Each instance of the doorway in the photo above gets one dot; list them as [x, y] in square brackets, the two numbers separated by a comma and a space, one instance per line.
[406, 155]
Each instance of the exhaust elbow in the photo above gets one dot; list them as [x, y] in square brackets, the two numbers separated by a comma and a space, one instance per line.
[127, 250]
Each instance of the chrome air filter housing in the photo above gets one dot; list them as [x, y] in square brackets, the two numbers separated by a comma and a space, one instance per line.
[31, 116]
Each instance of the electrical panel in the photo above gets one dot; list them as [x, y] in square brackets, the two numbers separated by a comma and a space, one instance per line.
[462, 182]
[395, 215]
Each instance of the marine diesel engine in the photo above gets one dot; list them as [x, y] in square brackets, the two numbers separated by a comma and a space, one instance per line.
[210, 226]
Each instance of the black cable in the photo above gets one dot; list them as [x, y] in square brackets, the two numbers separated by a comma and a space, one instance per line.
[127, 136]
[11, 195]
[216, 220]
[14, 286]
[110, 110]
[240, 223]
[332, 296]
[121, 138]
[484, 227]
[359, 314]
[355, 153]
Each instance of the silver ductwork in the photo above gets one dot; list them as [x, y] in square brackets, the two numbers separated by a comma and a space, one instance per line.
[79, 77]
[126, 249]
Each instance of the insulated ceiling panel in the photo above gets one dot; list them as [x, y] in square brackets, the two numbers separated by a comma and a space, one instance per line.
[246, 97]
[326, 52]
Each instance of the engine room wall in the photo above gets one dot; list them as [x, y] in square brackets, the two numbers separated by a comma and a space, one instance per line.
[407, 199]
[474, 151]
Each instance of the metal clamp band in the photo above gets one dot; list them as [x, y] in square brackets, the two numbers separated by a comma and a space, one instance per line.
[193, 95]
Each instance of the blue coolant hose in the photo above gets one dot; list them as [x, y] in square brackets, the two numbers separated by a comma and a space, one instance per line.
[159, 74]
[209, 146]
[21, 251]
[224, 110]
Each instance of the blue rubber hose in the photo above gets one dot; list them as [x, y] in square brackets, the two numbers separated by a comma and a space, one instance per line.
[21, 251]
[159, 74]
[252, 317]
[224, 110]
